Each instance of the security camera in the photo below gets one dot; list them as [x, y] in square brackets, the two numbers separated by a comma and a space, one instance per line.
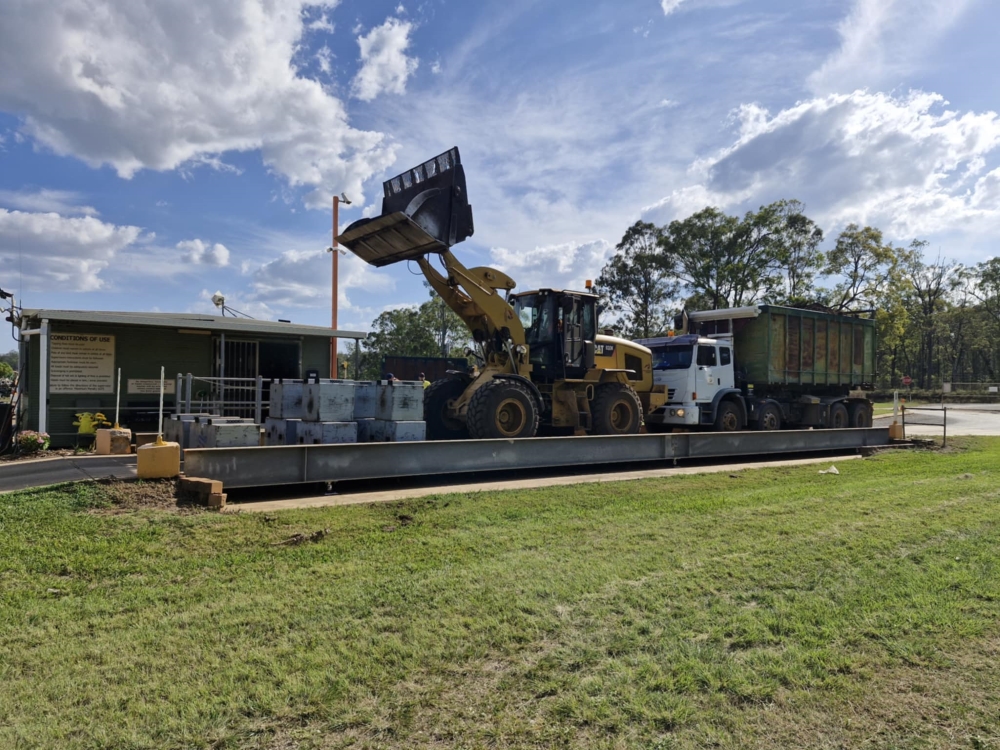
[344, 199]
[218, 300]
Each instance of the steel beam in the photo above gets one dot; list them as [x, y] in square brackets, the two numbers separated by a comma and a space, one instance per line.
[299, 464]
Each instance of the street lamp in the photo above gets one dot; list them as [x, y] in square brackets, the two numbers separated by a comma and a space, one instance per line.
[333, 249]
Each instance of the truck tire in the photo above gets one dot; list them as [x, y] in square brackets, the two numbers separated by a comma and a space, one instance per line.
[860, 415]
[839, 418]
[502, 409]
[727, 417]
[439, 425]
[616, 410]
[769, 418]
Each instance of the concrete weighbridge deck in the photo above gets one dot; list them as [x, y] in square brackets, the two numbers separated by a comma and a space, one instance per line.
[302, 464]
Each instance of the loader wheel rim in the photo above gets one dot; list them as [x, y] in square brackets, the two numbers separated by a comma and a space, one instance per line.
[621, 416]
[510, 417]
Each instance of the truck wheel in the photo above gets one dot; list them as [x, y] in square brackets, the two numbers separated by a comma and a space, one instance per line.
[727, 418]
[770, 418]
[616, 410]
[860, 415]
[439, 425]
[838, 416]
[502, 409]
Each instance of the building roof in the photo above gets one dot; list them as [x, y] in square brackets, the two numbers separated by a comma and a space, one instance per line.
[195, 321]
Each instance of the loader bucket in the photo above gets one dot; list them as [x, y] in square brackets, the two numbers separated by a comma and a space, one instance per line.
[424, 210]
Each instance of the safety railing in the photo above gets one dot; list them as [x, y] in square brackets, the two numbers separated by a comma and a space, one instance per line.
[227, 397]
[912, 416]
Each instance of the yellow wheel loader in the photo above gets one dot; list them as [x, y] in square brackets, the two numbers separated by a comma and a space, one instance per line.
[540, 359]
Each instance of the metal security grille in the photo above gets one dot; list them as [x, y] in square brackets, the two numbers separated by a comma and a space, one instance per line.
[236, 362]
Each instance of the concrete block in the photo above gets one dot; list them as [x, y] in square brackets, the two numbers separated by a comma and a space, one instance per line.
[366, 429]
[144, 438]
[231, 435]
[110, 442]
[199, 430]
[328, 433]
[365, 400]
[399, 431]
[158, 461]
[286, 400]
[282, 431]
[329, 401]
[400, 401]
[217, 500]
[200, 486]
[177, 429]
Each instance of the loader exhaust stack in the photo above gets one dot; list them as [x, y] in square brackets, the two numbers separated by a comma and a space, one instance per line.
[424, 210]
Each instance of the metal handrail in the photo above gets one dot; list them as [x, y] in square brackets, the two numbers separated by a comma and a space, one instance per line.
[944, 420]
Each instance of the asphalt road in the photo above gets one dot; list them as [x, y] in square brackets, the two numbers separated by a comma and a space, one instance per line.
[963, 419]
[19, 475]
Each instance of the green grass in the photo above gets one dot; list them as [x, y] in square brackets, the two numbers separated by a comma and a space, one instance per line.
[773, 608]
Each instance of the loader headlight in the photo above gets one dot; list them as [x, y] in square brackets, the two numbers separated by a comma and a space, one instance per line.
[680, 412]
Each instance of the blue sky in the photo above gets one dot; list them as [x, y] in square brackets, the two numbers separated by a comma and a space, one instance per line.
[153, 152]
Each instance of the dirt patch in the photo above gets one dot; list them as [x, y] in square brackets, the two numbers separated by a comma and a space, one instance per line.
[128, 496]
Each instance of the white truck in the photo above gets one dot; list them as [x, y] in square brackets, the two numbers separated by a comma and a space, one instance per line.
[764, 367]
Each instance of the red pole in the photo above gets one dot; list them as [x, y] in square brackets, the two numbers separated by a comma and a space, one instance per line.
[336, 255]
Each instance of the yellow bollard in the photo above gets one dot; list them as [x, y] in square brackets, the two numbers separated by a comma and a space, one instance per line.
[113, 441]
[159, 460]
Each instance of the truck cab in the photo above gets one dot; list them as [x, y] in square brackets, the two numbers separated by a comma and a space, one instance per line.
[696, 373]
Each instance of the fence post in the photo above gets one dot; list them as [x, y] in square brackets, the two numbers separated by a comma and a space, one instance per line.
[902, 413]
[177, 394]
[258, 401]
[190, 384]
[944, 440]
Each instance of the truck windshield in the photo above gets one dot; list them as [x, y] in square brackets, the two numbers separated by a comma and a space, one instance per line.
[672, 358]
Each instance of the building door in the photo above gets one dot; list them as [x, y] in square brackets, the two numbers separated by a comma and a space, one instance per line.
[236, 366]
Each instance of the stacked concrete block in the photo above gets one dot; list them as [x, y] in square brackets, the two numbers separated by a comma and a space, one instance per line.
[365, 400]
[223, 433]
[366, 429]
[177, 429]
[329, 401]
[400, 401]
[287, 400]
[328, 433]
[386, 431]
[399, 412]
[282, 431]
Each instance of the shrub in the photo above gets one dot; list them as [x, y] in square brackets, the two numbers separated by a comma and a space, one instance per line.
[30, 441]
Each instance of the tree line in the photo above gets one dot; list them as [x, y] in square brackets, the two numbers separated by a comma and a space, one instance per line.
[938, 321]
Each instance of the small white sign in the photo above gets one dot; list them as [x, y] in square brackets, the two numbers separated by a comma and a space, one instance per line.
[151, 387]
[993, 389]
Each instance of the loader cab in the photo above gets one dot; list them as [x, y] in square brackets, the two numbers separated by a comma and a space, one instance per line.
[560, 328]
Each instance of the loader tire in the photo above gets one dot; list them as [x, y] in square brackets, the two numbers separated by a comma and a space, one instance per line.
[439, 425]
[502, 409]
[615, 410]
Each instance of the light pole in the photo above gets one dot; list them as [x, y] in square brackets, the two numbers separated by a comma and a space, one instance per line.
[335, 251]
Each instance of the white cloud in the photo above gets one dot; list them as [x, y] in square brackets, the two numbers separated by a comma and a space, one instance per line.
[203, 253]
[669, 6]
[302, 278]
[324, 58]
[564, 266]
[883, 40]
[66, 202]
[906, 164]
[140, 84]
[385, 67]
[54, 253]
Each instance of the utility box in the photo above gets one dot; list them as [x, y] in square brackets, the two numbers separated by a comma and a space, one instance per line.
[328, 433]
[400, 401]
[365, 400]
[286, 400]
[329, 401]
[386, 431]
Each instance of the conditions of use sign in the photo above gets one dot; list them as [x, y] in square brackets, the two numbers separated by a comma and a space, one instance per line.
[81, 363]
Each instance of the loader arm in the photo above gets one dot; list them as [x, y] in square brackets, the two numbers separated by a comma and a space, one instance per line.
[477, 295]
